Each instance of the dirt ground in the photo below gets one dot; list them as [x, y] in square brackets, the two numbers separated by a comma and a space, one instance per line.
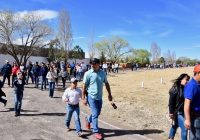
[142, 108]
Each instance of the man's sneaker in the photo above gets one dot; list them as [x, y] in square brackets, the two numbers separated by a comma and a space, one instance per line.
[98, 136]
[87, 124]
[68, 129]
[79, 134]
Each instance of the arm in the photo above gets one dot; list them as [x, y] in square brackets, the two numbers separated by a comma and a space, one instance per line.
[65, 97]
[187, 104]
[84, 94]
[109, 91]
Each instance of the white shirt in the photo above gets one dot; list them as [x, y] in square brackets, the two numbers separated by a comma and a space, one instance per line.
[72, 95]
[105, 66]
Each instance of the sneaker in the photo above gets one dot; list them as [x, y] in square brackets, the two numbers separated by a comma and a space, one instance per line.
[68, 129]
[87, 124]
[98, 136]
[79, 134]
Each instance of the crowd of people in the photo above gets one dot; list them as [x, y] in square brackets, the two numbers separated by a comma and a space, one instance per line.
[184, 95]
[44, 75]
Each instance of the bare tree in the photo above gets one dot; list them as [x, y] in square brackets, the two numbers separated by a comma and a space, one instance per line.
[91, 45]
[22, 35]
[65, 33]
[173, 55]
[155, 52]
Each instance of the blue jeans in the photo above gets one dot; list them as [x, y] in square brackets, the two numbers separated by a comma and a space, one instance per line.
[95, 107]
[70, 110]
[51, 88]
[18, 102]
[43, 82]
[179, 122]
[195, 129]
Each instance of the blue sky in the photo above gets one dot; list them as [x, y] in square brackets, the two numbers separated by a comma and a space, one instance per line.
[172, 24]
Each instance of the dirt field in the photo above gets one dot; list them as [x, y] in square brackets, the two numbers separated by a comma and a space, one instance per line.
[142, 108]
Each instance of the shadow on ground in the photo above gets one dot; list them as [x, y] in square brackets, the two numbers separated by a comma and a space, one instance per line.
[115, 132]
[44, 114]
[12, 109]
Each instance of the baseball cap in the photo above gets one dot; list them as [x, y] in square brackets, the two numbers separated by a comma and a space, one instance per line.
[73, 80]
[94, 61]
[197, 68]
[6, 61]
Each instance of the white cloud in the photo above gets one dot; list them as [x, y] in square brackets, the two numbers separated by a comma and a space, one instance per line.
[165, 33]
[44, 14]
[80, 37]
[101, 36]
[119, 32]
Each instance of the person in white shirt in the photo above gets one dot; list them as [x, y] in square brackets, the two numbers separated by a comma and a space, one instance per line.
[71, 96]
[51, 76]
[105, 67]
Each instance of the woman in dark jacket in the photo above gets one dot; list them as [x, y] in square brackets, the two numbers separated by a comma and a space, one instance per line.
[176, 106]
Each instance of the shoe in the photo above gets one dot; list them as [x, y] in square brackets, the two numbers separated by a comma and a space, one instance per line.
[68, 129]
[97, 136]
[79, 134]
[5, 103]
[87, 124]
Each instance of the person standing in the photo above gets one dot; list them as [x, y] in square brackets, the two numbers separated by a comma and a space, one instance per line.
[15, 70]
[71, 96]
[36, 73]
[43, 73]
[29, 72]
[51, 76]
[192, 105]
[6, 71]
[18, 92]
[176, 105]
[93, 88]
[105, 67]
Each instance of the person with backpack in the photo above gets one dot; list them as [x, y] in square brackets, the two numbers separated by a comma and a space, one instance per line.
[4, 101]
[176, 106]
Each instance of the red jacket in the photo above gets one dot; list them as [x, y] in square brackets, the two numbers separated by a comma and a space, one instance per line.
[15, 69]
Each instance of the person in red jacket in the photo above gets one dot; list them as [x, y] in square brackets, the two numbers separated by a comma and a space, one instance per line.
[15, 70]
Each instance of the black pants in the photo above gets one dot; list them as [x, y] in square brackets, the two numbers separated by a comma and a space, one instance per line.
[4, 78]
[3, 100]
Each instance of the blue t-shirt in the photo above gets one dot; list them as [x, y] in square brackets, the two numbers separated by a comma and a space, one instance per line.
[192, 92]
[94, 82]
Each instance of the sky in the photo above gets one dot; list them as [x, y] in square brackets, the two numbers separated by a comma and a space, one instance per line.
[173, 24]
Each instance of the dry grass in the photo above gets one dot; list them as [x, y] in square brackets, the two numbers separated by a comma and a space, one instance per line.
[142, 108]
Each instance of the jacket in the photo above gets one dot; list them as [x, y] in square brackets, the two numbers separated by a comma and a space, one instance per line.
[176, 99]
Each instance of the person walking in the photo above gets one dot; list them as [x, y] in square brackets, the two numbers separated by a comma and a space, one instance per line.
[176, 105]
[6, 71]
[15, 70]
[29, 72]
[93, 88]
[192, 105]
[51, 76]
[43, 73]
[36, 73]
[18, 92]
[4, 101]
[71, 96]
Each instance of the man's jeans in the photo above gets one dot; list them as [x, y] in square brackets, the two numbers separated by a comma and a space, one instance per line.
[179, 122]
[195, 129]
[43, 82]
[36, 80]
[18, 102]
[70, 110]
[51, 88]
[29, 75]
[95, 107]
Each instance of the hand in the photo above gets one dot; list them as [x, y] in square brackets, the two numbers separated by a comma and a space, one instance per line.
[110, 97]
[187, 124]
[66, 100]
[85, 102]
